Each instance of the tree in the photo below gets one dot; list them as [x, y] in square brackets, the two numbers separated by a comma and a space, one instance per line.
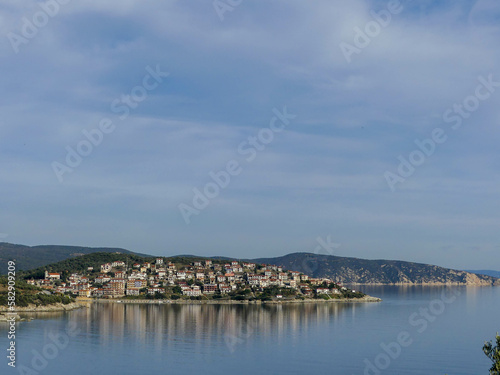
[493, 353]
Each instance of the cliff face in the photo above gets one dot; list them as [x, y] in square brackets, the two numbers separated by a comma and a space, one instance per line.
[387, 272]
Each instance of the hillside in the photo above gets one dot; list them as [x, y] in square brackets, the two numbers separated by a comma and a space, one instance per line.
[486, 272]
[82, 263]
[363, 271]
[29, 257]
[342, 269]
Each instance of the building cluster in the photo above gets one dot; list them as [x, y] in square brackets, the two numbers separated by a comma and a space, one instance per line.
[118, 279]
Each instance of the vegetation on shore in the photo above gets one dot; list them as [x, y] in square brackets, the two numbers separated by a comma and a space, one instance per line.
[26, 294]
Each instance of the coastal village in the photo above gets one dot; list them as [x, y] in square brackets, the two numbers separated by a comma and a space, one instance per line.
[209, 279]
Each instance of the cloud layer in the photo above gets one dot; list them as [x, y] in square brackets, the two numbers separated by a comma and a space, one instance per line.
[323, 175]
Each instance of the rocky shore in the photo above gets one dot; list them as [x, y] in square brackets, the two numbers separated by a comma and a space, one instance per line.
[8, 317]
[47, 308]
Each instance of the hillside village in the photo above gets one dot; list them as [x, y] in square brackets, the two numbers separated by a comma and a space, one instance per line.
[206, 278]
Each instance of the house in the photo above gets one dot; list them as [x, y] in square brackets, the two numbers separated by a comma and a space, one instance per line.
[283, 276]
[52, 276]
[136, 283]
[194, 291]
[224, 289]
[322, 291]
[275, 281]
[101, 279]
[114, 290]
[159, 261]
[118, 264]
[84, 293]
[153, 291]
[221, 278]
[209, 288]
[161, 272]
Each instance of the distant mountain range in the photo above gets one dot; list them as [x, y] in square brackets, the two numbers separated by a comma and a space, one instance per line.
[344, 270]
[29, 257]
[363, 271]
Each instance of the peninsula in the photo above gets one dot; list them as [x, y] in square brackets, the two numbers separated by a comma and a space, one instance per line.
[129, 278]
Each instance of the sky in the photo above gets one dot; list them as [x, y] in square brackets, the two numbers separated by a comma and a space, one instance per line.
[253, 128]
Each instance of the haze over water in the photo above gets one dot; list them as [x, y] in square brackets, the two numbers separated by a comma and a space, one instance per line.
[273, 339]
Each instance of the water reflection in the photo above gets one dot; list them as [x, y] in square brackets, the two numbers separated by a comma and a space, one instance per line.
[229, 324]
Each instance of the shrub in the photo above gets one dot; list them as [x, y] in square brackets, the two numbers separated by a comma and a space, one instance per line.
[493, 353]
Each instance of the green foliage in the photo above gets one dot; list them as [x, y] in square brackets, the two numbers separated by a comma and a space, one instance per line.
[177, 289]
[27, 257]
[493, 353]
[350, 294]
[159, 295]
[81, 263]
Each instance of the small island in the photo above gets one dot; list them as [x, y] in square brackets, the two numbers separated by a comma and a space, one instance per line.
[125, 278]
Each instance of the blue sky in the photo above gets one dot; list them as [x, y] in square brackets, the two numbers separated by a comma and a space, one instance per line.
[324, 175]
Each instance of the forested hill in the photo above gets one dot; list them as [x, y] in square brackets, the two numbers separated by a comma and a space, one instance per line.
[341, 269]
[364, 271]
[29, 257]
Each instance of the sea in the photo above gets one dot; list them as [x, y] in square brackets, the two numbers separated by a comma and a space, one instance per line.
[414, 330]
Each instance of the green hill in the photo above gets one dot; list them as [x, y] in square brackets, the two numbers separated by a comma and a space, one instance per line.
[82, 263]
[29, 257]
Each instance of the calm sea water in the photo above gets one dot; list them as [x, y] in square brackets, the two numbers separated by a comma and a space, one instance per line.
[440, 331]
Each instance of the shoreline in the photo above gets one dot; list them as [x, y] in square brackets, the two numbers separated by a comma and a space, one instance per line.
[366, 299]
[57, 307]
